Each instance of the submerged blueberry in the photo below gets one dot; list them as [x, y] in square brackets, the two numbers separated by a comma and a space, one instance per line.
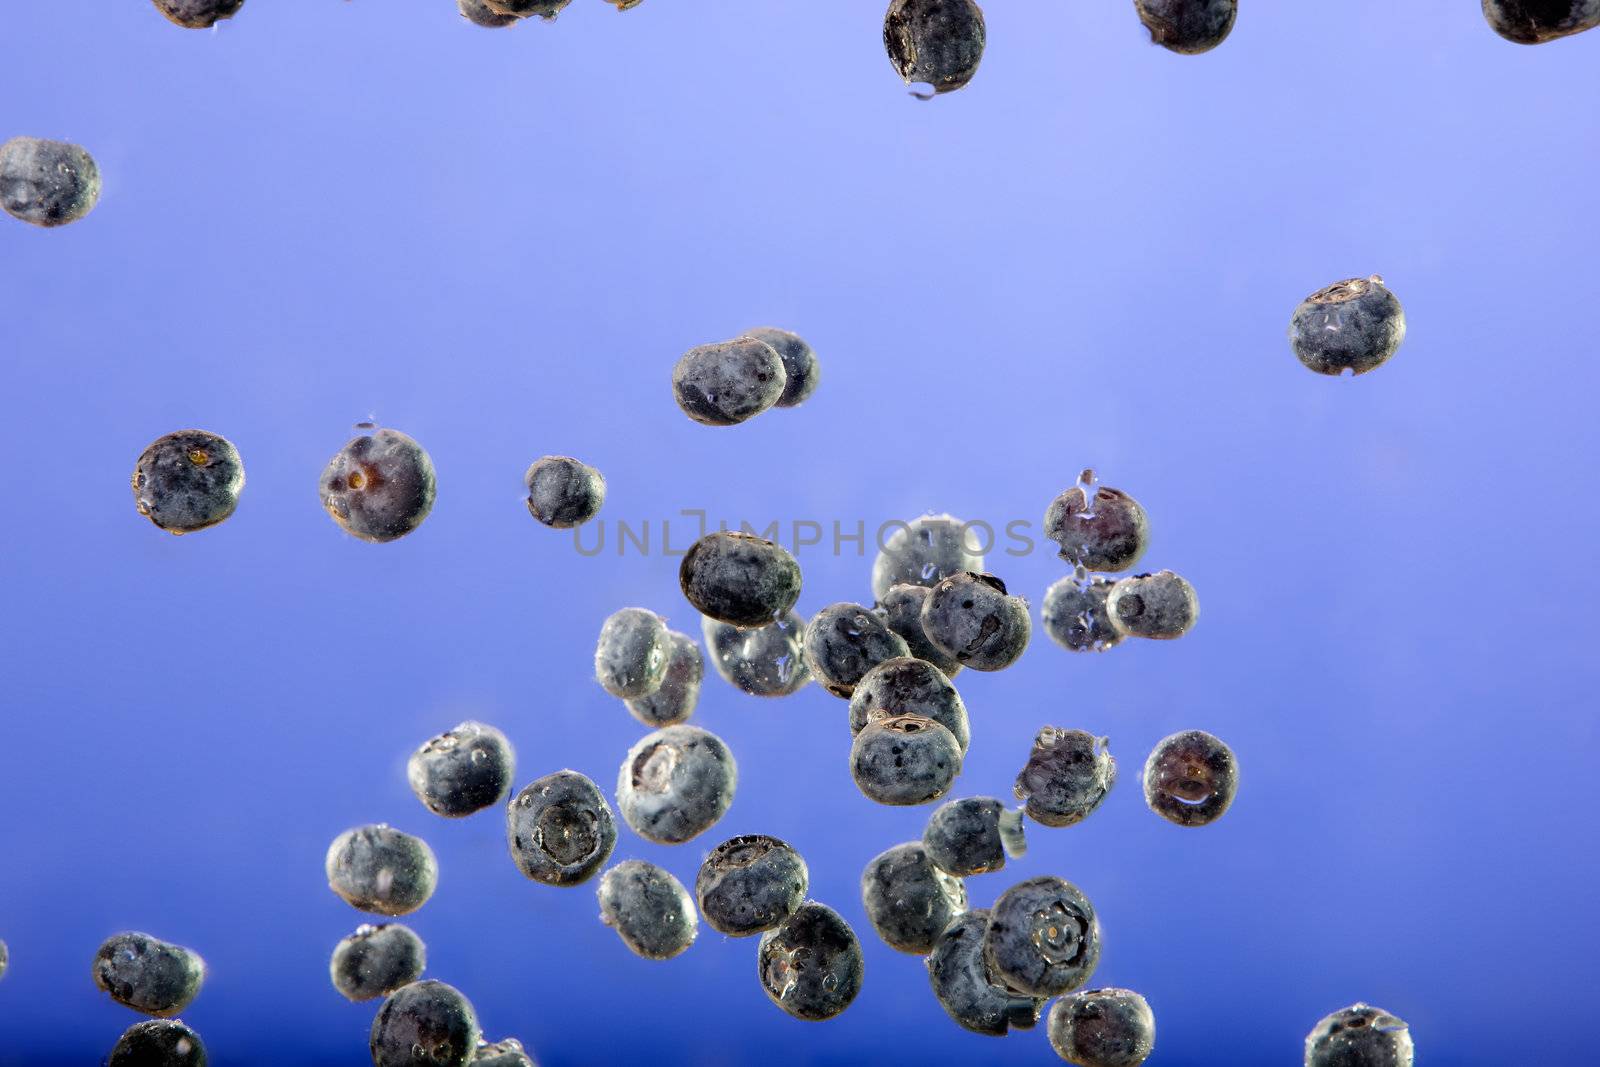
[47, 183]
[376, 960]
[158, 1043]
[1190, 778]
[739, 578]
[726, 383]
[1162, 606]
[379, 869]
[379, 487]
[751, 883]
[973, 618]
[527, 9]
[1538, 21]
[1068, 774]
[1360, 1036]
[198, 14]
[147, 974]
[1103, 1028]
[479, 13]
[765, 661]
[1189, 27]
[1043, 938]
[799, 363]
[1354, 325]
[648, 908]
[811, 964]
[463, 770]
[560, 829]
[901, 608]
[845, 641]
[674, 700]
[188, 481]
[905, 759]
[675, 783]
[564, 492]
[425, 1024]
[934, 42]
[1098, 529]
[632, 653]
[973, 835]
[967, 989]
[1075, 615]
[906, 686]
[925, 551]
[908, 900]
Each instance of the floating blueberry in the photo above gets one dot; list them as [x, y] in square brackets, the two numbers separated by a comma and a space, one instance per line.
[425, 1024]
[904, 760]
[750, 884]
[376, 960]
[648, 908]
[463, 770]
[1360, 1036]
[811, 964]
[188, 480]
[1101, 529]
[1043, 938]
[1538, 21]
[726, 383]
[147, 974]
[674, 701]
[739, 578]
[971, 617]
[379, 869]
[1068, 774]
[1102, 1028]
[906, 686]
[479, 13]
[379, 487]
[564, 492]
[1353, 325]
[924, 551]
[47, 183]
[901, 608]
[968, 990]
[800, 368]
[936, 42]
[198, 14]
[908, 900]
[560, 829]
[845, 641]
[1075, 615]
[507, 1053]
[767, 661]
[631, 655]
[527, 9]
[1190, 778]
[1162, 606]
[1189, 27]
[973, 835]
[158, 1043]
[676, 783]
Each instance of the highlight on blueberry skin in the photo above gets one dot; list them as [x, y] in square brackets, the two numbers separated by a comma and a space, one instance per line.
[1043, 937]
[907, 686]
[765, 661]
[905, 760]
[507, 1053]
[379, 487]
[844, 641]
[908, 900]
[148, 974]
[973, 618]
[1161, 606]
[462, 770]
[648, 908]
[1102, 1028]
[564, 492]
[1538, 21]
[901, 608]
[749, 884]
[1190, 778]
[1351, 327]
[376, 960]
[739, 578]
[1067, 775]
[187, 481]
[47, 183]
[1188, 27]
[967, 989]
[726, 383]
[380, 869]
[425, 1024]
[560, 829]
[674, 700]
[800, 368]
[811, 965]
[675, 783]
[158, 1043]
[935, 42]
[198, 14]
[925, 551]
[479, 13]
[632, 652]
[1360, 1036]
[973, 835]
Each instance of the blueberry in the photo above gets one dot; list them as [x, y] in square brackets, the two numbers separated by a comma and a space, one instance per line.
[674, 701]
[376, 960]
[845, 641]
[908, 900]
[624, 5]
[187, 481]
[1189, 27]
[1102, 1028]
[901, 607]
[1538, 21]
[479, 13]
[379, 869]
[923, 552]
[560, 829]
[630, 658]
[463, 770]
[937, 42]
[971, 617]
[1360, 1036]
[158, 1043]
[47, 183]
[1353, 325]
[906, 686]
[726, 383]
[1043, 938]
[564, 492]
[198, 14]
[675, 784]
[905, 759]
[1190, 778]
[739, 578]
[800, 369]
[1075, 614]
[765, 662]
[811, 964]
[147, 974]
[966, 988]
[1162, 606]
[1068, 774]
[648, 908]
[425, 1024]
[379, 487]
[526, 9]
[973, 835]
[1105, 531]
[5, 959]
[750, 884]
[507, 1053]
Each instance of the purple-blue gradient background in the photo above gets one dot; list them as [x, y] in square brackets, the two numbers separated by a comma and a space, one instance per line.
[500, 242]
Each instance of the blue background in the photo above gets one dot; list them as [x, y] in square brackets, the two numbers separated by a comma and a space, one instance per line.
[500, 242]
